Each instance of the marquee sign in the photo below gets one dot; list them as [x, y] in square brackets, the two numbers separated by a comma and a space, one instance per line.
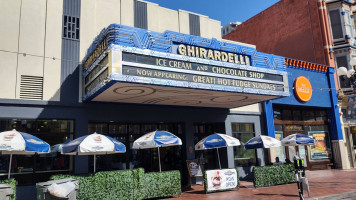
[187, 75]
[201, 52]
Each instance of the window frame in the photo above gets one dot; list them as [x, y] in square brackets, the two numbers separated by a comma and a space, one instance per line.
[342, 23]
[349, 25]
[347, 67]
[233, 133]
[65, 26]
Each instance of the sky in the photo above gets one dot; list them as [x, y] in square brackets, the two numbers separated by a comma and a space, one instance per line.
[223, 10]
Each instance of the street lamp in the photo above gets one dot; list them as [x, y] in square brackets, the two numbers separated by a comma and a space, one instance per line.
[350, 74]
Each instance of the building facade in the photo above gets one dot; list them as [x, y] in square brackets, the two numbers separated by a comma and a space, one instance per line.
[70, 69]
[315, 31]
[226, 29]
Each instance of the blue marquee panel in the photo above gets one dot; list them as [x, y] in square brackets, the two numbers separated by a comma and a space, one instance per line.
[139, 41]
[320, 84]
[163, 42]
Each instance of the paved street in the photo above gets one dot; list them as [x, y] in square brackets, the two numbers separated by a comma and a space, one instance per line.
[324, 184]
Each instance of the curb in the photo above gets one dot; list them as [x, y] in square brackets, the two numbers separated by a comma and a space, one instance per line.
[336, 196]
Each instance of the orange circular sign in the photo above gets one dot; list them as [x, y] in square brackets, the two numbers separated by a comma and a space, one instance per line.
[303, 88]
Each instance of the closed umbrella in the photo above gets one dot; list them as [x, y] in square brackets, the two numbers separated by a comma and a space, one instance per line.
[262, 141]
[19, 143]
[217, 140]
[157, 139]
[93, 144]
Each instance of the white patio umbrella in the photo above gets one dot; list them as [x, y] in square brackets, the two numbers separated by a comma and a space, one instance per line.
[93, 144]
[262, 141]
[297, 139]
[19, 143]
[157, 139]
[217, 140]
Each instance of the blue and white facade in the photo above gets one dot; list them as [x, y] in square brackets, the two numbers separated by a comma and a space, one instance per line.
[318, 117]
[216, 74]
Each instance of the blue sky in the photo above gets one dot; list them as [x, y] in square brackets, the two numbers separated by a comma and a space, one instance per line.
[223, 10]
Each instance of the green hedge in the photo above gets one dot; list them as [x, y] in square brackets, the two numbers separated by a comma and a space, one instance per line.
[122, 184]
[13, 184]
[162, 184]
[126, 184]
[206, 183]
[273, 175]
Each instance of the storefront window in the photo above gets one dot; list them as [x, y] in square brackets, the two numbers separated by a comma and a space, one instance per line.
[321, 150]
[280, 151]
[308, 121]
[297, 115]
[308, 116]
[321, 115]
[53, 132]
[287, 114]
[277, 114]
[127, 133]
[98, 128]
[207, 158]
[243, 132]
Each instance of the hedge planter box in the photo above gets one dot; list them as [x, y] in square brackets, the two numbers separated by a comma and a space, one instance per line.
[273, 175]
[221, 180]
[13, 184]
[162, 184]
[126, 184]
[123, 184]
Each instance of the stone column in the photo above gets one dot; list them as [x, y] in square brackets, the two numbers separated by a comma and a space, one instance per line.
[340, 152]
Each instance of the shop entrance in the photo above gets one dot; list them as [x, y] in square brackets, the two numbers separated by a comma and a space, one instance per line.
[127, 133]
[311, 122]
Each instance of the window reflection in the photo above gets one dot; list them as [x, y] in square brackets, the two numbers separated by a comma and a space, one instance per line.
[53, 132]
[127, 133]
[244, 132]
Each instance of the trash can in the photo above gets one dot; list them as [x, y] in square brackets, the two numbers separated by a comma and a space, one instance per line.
[6, 191]
[43, 194]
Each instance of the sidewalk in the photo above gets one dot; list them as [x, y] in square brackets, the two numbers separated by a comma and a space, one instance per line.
[324, 185]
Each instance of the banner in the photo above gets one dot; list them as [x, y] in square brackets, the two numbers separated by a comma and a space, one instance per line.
[319, 151]
[222, 179]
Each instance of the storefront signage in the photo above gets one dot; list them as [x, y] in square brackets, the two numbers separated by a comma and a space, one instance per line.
[194, 168]
[303, 89]
[221, 179]
[190, 66]
[293, 127]
[353, 129]
[101, 48]
[200, 52]
[152, 73]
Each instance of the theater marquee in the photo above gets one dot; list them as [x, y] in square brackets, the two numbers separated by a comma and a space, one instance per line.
[188, 76]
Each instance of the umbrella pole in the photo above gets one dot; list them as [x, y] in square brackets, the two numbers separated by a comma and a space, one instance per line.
[217, 150]
[94, 163]
[8, 176]
[159, 160]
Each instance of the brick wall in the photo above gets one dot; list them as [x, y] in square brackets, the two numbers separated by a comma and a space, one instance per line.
[290, 28]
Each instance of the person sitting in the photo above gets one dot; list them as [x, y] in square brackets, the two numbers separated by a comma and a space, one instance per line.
[288, 161]
[278, 162]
